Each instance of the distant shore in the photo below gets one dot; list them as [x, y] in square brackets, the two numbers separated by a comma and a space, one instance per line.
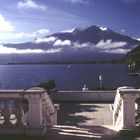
[65, 62]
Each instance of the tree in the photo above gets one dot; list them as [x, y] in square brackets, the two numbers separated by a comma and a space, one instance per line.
[49, 86]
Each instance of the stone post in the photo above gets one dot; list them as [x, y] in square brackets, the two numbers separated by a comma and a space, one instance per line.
[128, 111]
[55, 114]
[35, 110]
[138, 112]
[34, 96]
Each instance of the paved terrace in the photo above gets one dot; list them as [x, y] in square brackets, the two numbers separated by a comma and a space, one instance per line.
[83, 122]
[76, 121]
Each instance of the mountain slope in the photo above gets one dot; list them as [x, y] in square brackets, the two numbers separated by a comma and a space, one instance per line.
[89, 44]
[133, 56]
[94, 34]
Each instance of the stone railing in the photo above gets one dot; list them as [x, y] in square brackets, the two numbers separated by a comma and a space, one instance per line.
[27, 112]
[124, 108]
[84, 96]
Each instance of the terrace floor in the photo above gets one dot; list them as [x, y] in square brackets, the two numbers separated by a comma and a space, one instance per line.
[83, 122]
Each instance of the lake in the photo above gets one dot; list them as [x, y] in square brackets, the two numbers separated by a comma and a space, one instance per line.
[66, 78]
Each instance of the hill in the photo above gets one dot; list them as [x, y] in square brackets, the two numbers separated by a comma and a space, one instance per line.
[133, 56]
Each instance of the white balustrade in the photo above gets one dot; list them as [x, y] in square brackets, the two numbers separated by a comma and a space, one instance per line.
[23, 111]
[124, 108]
[138, 111]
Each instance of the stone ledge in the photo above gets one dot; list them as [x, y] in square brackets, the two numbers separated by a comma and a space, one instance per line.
[12, 130]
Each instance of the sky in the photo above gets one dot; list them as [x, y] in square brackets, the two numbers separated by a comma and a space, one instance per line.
[26, 20]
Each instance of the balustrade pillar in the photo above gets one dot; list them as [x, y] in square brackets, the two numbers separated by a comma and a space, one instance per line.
[35, 110]
[128, 111]
[138, 111]
[54, 116]
[124, 108]
[34, 97]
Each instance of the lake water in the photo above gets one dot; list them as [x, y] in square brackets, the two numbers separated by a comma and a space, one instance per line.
[66, 78]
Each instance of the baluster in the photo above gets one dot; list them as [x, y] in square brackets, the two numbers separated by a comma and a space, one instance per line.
[138, 111]
[6, 113]
[18, 113]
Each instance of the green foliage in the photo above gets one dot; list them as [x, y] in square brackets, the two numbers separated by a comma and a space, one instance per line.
[49, 86]
[133, 56]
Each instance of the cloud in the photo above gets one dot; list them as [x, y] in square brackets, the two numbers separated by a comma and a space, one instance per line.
[9, 50]
[45, 40]
[77, 45]
[28, 36]
[117, 50]
[68, 31]
[30, 4]
[131, 1]
[78, 1]
[137, 39]
[5, 26]
[103, 28]
[108, 44]
[62, 43]
[112, 47]
[39, 32]
[122, 30]
[43, 31]
[103, 46]
[54, 50]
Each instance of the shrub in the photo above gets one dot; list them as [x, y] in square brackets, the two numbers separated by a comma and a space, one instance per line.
[49, 86]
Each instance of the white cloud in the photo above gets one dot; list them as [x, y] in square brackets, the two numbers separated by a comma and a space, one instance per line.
[45, 40]
[30, 4]
[137, 39]
[131, 1]
[68, 31]
[103, 28]
[122, 30]
[112, 47]
[9, 50]
[43, 31]
[14, 36]
[5, 26]
[78, 1]
[62, 43]
[103, 46]
[117, 50]
[54, 50]
[108, 44]
[77, 45]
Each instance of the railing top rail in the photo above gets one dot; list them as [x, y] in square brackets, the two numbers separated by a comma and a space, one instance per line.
[35, 90]
[20, 93]
[11, 94]
[89, 91]
[11, 91]
[129, 91]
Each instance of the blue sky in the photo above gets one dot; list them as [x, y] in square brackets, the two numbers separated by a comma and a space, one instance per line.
[26, 20]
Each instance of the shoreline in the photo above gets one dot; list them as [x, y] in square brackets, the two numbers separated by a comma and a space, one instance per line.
[60, 63]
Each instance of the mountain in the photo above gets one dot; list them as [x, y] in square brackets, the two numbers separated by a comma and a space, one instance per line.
[94, 34]
[133, 56]
[81, 44]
